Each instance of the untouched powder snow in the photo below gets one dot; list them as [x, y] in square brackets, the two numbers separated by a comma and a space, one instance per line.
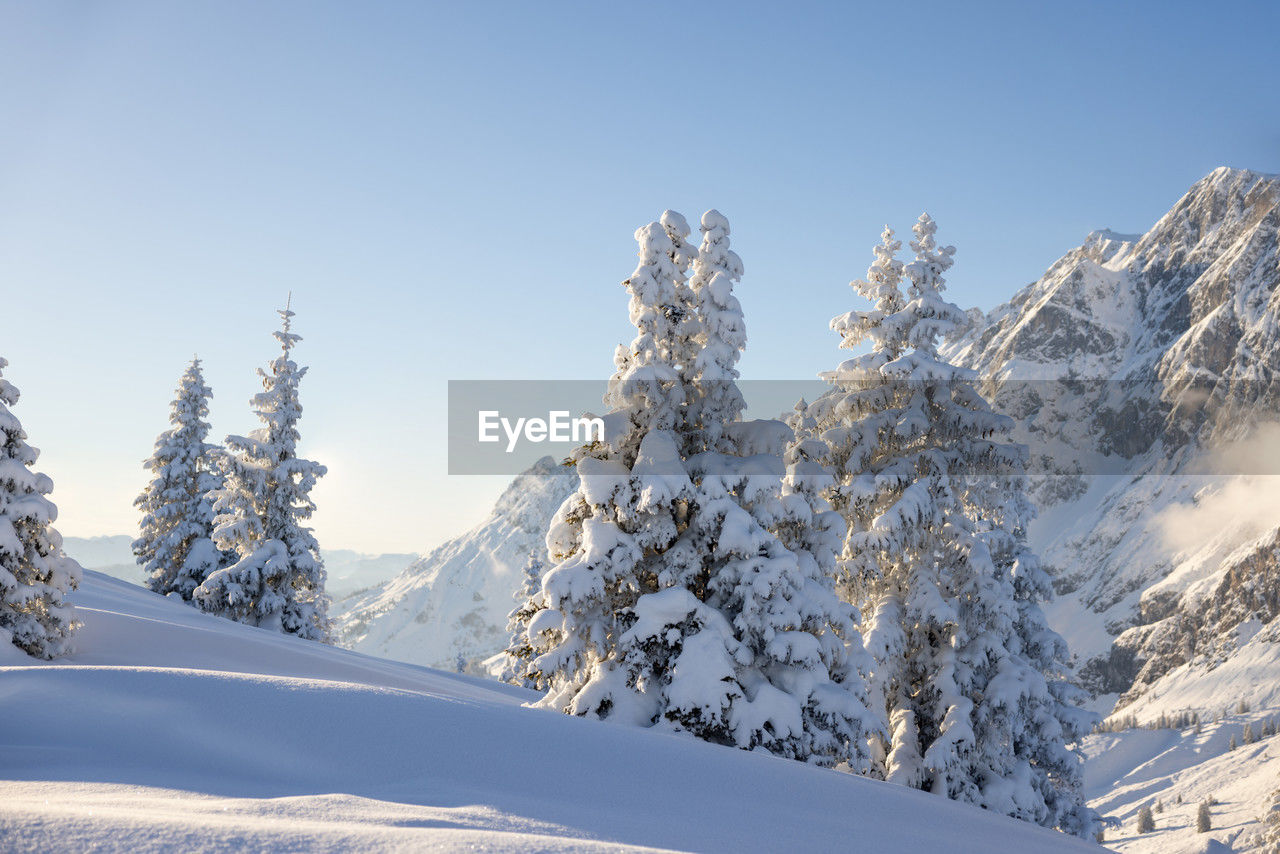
[173, 729]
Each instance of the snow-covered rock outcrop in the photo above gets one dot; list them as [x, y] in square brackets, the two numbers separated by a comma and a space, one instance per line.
[454, 600]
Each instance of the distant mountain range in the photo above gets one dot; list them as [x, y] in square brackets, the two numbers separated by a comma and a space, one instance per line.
[349, 571]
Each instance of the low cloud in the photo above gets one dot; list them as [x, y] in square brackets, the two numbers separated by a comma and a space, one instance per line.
[1246, 504]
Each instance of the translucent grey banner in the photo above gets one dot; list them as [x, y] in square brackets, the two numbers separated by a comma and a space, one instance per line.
[1065, 427]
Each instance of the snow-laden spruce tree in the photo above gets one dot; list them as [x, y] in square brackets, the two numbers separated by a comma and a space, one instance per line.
[716, 400]
[969, 673]
[277, 580]
[35, 574]
[859, 416]
[519, 653]
[175, 548]
[814, 532]
[686, 326]
[668, 602]
[1031, 705]
[609, 540]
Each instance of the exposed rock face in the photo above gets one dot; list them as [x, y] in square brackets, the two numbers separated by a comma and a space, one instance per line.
[1209, 622]
[1134, 355]
[454, 601]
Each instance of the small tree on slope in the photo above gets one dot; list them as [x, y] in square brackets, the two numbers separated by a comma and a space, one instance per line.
[669, 603]
[934, 554]
[35, 574]
[176, 547]
[278, 578]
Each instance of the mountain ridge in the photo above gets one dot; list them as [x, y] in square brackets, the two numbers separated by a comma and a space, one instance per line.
[453, 601]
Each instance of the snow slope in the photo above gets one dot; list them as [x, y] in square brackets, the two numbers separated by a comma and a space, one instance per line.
[1127, 770]
[455, 599]
[172, 729]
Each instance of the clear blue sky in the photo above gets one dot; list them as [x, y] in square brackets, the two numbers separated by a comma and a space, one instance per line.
[450, 191]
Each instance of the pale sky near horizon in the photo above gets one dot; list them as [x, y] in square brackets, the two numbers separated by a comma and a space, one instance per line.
[450, 192]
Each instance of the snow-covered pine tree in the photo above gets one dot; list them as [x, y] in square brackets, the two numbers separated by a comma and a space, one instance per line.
[858, 416]
[716, 400]
[278, 578]
[865, 421]
[686, 326]
[969, 672]
[1035, 705]
[669, 602]
[35, 574]
[519, 653]
[1146, 823]
[608, 538]
[175, 548]
[814, 532]
[798, 641]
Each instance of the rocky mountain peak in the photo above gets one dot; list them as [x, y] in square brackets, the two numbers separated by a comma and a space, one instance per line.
[1149, 350]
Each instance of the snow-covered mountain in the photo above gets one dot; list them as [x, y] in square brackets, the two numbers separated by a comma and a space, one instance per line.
[1144, 355]
[1145, 371]
[455, 600]
[173, 730]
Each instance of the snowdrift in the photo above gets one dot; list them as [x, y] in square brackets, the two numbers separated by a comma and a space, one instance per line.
[172, 729]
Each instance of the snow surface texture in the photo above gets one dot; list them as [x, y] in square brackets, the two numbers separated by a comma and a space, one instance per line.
[138, 742]
[455, 599]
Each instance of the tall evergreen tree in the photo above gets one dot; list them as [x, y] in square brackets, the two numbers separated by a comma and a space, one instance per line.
[176, 549]
[969, 673]
[671, 602]
[686, 327]
[278, 578]
[610, 537]
[35, 574]
[716, 401]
